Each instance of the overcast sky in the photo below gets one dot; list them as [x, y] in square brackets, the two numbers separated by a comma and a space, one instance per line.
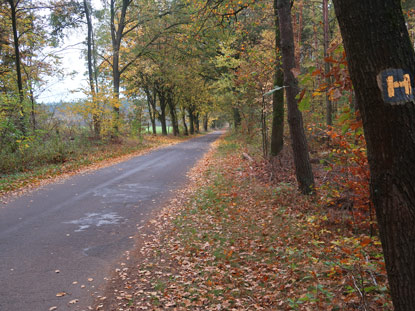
[72, 60]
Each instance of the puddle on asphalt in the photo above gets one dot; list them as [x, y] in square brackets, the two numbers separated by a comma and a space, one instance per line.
[97, 220]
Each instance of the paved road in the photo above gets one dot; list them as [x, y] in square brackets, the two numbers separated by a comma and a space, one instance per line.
[82, 225]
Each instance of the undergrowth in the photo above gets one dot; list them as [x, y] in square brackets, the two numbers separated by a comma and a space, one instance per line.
[43, 160]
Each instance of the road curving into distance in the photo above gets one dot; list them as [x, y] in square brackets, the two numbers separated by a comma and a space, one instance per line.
[65, 238]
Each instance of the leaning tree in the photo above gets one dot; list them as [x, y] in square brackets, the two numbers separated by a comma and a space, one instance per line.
[382, 67]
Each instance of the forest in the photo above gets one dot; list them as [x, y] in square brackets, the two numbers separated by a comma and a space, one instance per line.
[317, 97]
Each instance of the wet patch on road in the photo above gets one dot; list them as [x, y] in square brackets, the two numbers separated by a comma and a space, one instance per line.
[97, 220]
[125, 193]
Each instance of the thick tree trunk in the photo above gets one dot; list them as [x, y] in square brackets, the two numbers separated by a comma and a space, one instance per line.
[303, 170]
[380, 55]
[329, 106]
[277, 133]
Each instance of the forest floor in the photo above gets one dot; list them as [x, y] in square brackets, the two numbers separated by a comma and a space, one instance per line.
[241, 237]
[95, 157]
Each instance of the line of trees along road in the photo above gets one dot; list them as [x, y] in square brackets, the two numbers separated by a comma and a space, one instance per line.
[199, 63]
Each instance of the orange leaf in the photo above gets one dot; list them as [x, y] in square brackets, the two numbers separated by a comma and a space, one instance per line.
[365, 241]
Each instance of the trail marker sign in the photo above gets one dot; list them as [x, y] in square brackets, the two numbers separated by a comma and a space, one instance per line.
[397, 86]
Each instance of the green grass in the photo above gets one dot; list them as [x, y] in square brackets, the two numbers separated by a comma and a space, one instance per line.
[158, 130]
[53, 158]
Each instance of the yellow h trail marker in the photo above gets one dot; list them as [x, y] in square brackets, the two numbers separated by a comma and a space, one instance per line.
[396, 86]
[392, 85]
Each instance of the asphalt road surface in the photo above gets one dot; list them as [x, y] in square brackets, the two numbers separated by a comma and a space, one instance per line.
[69, 234]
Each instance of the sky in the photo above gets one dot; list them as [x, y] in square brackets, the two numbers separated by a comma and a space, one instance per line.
[67, 89]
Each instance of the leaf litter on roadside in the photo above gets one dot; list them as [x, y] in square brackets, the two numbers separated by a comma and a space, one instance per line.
[233, 241]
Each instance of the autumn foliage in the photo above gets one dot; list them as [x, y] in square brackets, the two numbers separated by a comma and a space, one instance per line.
[235, 241]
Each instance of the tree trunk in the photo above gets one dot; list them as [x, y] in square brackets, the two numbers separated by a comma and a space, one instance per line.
[116, 90]
[329, 106]
[303, 170]
[151, 103]
[116, 37]
[315, 37]
[162, 114]
[298, 36]
[13, 11]
[236, 118]
[197, 126]
[96, 120]
[186, 131]
[191, 120]
[380, 54]
[277, 133]
[173, 116]
[205, 122]
[264, 131]
[33, 108]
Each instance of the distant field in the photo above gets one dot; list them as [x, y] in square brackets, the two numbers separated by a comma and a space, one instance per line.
[158, 129]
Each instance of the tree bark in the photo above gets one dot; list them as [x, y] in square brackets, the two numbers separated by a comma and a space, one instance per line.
[173, 115]
[205, 122]
[236, 118]
[197, 123]
[376, 42]
[116, 37]
[186, 131]
[329, 106]
[315, 37]
[153, 124]
[13, 11]
[277, 133]
[191, 120]
[299, 31]
[33, 108]
[162, 114]
[96, 120]
[303, 169]
[151, 103]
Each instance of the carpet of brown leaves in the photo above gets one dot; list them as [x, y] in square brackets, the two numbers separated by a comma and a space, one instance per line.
[238, 238]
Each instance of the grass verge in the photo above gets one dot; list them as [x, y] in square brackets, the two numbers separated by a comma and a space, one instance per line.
[94, 156]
